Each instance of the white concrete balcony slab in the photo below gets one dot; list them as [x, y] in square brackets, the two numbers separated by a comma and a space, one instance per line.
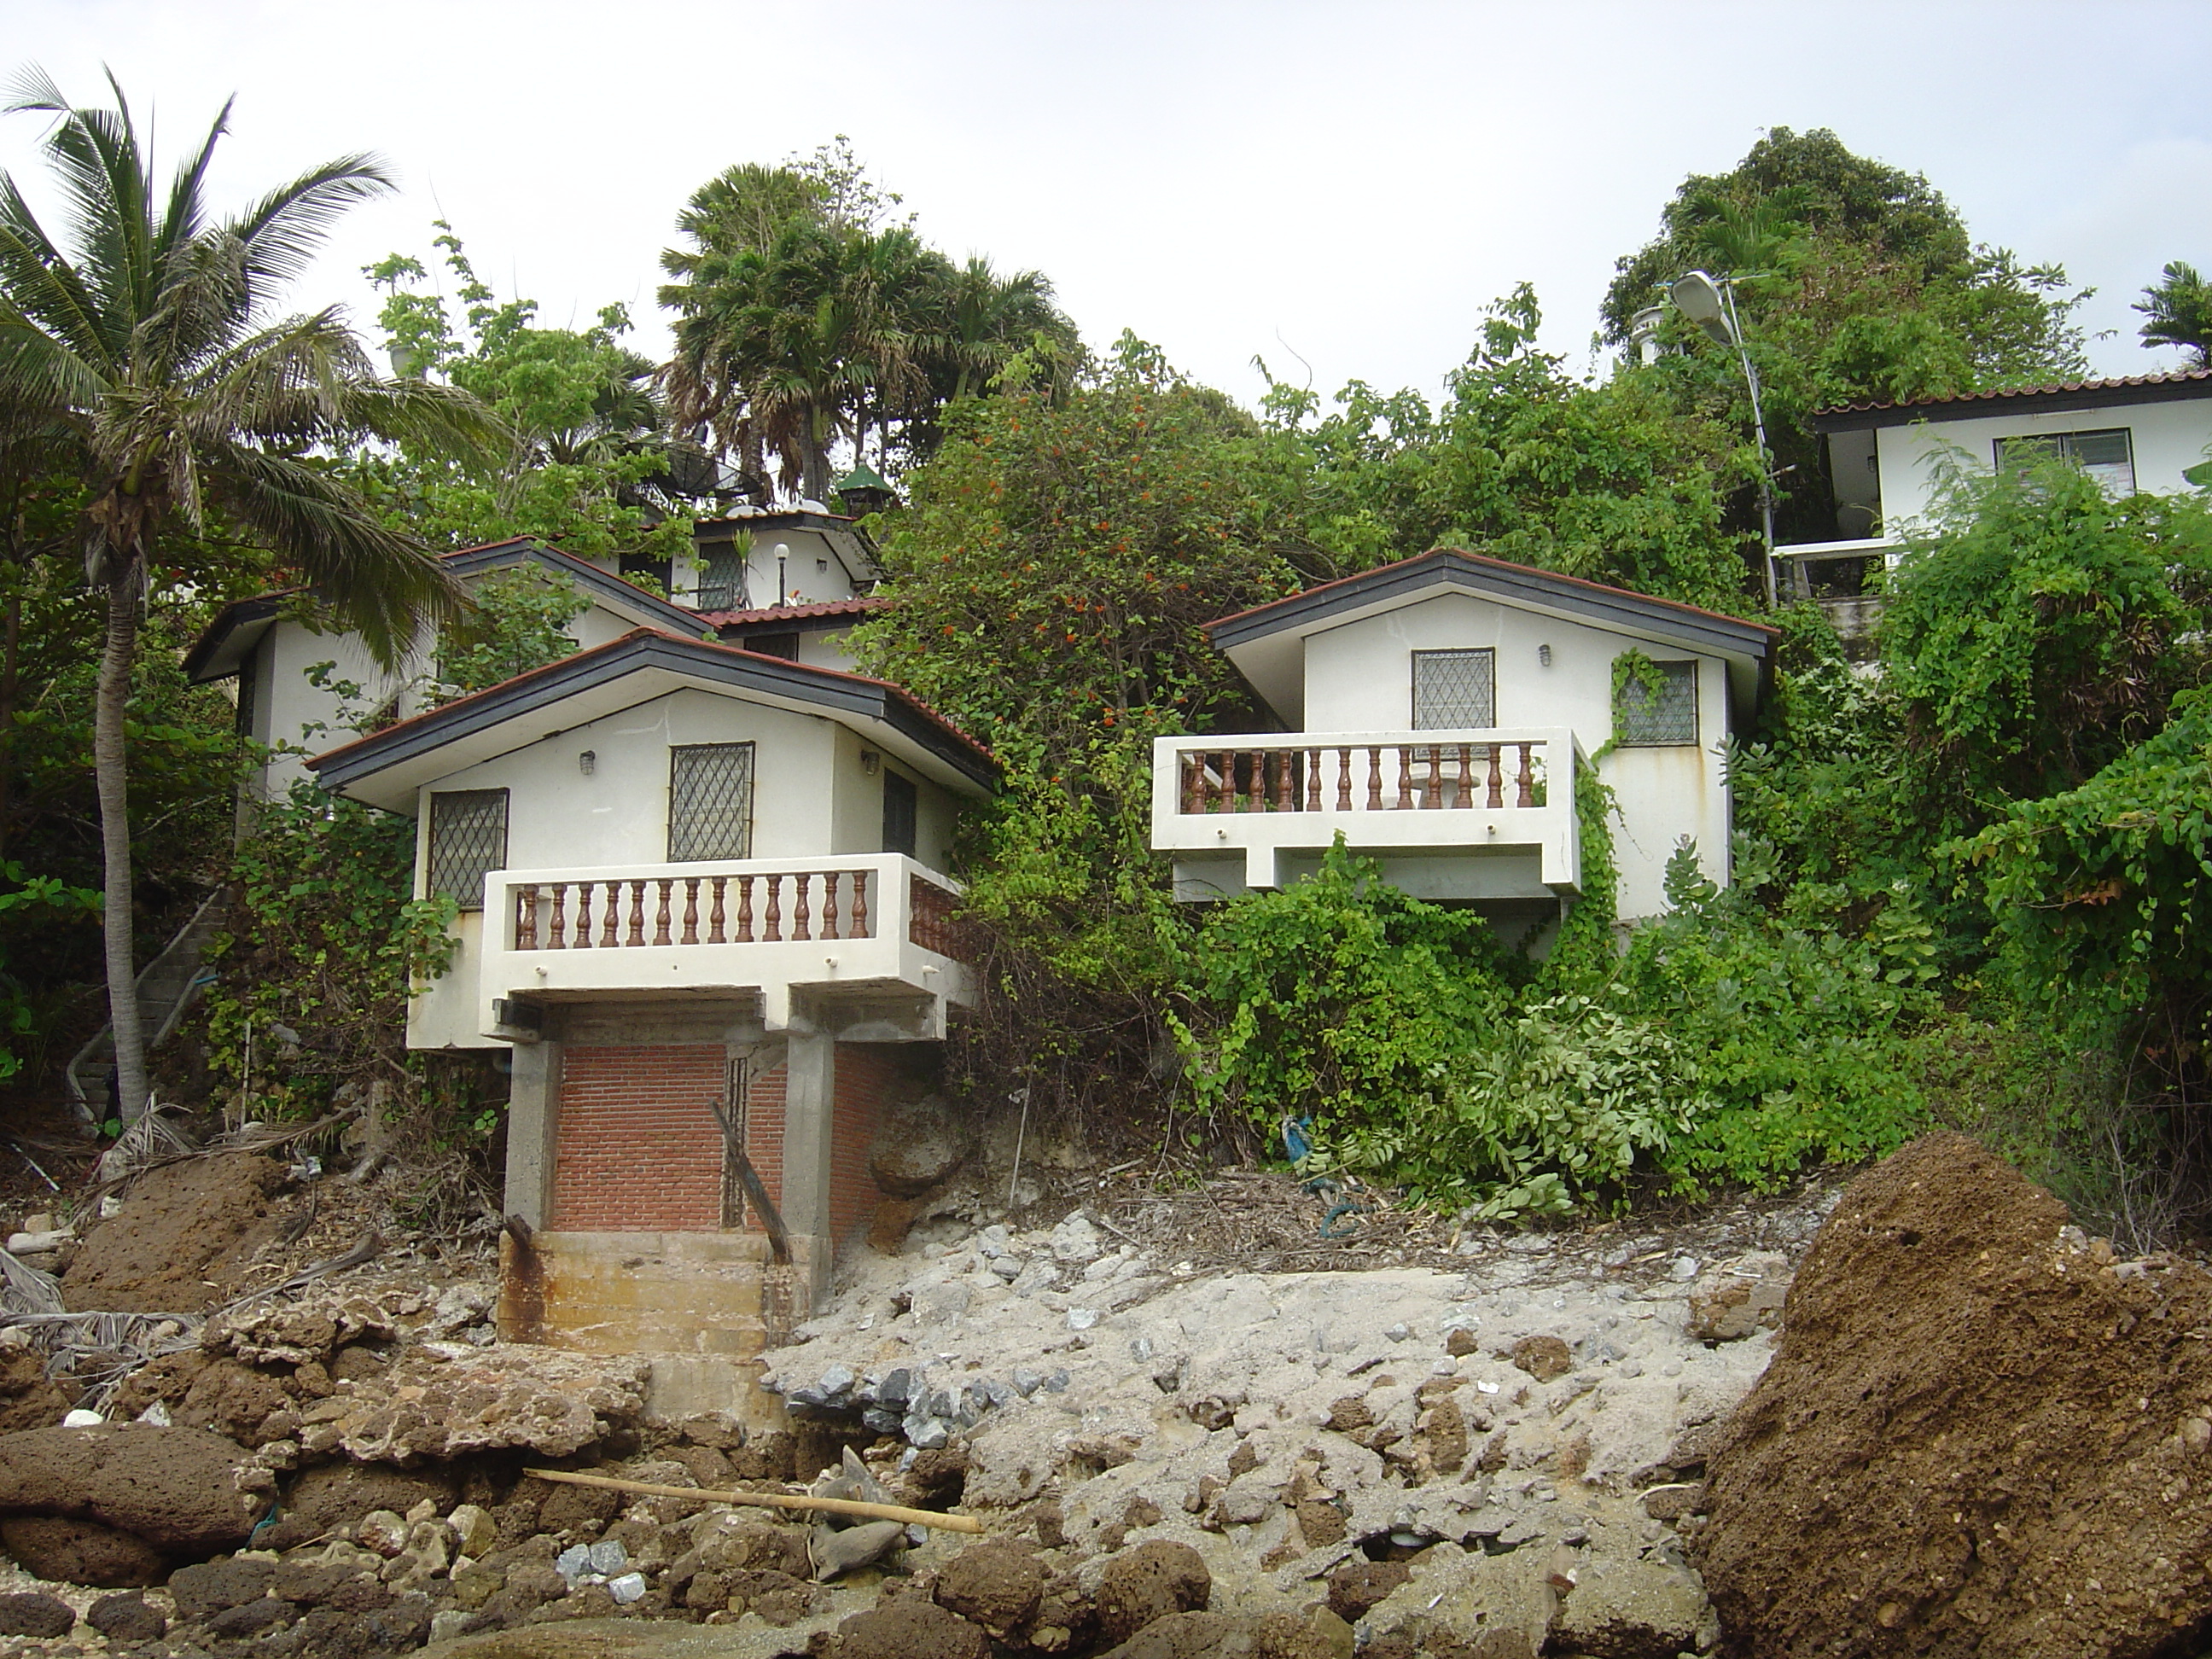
[866, 924]
[1483, 812]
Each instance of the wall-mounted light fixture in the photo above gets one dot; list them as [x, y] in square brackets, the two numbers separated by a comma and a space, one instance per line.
[587, 762]
[870, 760]
[1544, 655]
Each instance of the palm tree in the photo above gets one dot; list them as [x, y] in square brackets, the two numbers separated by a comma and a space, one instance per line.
[145, 334]
[2180, 311]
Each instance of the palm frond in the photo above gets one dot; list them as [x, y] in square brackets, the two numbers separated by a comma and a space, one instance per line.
[283, 231]
[379, 582]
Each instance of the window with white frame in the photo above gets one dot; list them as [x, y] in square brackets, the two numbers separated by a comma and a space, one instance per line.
[710, 801]
[2107, 455]
[468, 841]
[1453, 689]
[1656, 713]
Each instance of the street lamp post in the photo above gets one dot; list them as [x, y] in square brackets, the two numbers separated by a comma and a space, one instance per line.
[1711, 305]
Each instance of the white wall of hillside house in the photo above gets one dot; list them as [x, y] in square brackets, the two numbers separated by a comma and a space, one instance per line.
[288, 705]
[812, 574]
[812, 797]
[2166, 437]
[825, 648]
[1359, 678]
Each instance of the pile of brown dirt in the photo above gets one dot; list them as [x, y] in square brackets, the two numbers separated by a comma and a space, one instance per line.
[181, 1239]
[1977, 1436]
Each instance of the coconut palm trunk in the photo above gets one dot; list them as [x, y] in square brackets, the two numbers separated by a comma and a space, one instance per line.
[141, 340]
[111, 775]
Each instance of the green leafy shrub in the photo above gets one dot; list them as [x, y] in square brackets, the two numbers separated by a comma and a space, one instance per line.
[1337, 998]
[1551, 1109]
[1799, 1037]
[324, 941]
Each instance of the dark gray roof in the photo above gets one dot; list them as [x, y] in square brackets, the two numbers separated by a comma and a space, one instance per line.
[544, 688]
[2056, 399]
[609, 589]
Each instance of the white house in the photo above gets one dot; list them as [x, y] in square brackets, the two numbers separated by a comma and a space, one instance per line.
[702, 911]
[783, 583]
[2145, 432]
[1436, 712]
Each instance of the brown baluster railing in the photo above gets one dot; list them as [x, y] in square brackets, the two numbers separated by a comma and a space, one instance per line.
[560, 940]
[830, 904]
[1374, 779]
[1195, 791]
[1527, 791]
[1254, 801]
[525, 917]
[611, 925]
[1404, 778]
[583, 915]
[690, 911]
[1432, 792]
[1464, 794]
[1312, 778]
[1283, 780]
[774, 933]
[714, 914]
[798, 915]
[1496, 797]
[1344, 780]
[661, 918]
[745, 910]
[860, 905]
[636, 914]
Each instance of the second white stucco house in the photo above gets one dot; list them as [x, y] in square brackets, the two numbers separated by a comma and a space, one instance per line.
[1886, 461]
[1435, 712]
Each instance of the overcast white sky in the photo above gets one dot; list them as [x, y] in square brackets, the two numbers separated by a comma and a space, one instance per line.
[1349, 183]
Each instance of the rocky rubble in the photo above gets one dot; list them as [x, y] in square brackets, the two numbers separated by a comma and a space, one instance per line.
[1168, 1462]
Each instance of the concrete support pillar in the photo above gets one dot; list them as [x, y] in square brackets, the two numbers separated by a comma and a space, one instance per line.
[533, 1123]
[809, 1112]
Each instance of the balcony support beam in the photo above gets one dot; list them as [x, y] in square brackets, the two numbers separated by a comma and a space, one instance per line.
[809, 1110]
[534, 1112]
[1263, 866]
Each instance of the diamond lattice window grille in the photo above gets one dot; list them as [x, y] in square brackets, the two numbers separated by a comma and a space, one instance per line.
[722, 581]
[1642, 719]
[710, 801]
[1453, 689]
[468, 841]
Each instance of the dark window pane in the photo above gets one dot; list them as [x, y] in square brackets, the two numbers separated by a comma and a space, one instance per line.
[1644, 718]
[710, 801]
[1454, 689]
[722, 579]
[468, 841]
[899, 804]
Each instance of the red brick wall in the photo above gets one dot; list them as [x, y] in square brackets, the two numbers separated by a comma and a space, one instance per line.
[637, 1149]
[764, 1138]
[865, 1078]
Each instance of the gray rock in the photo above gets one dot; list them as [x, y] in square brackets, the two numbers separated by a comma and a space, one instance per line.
[1008, 1267]
[918, 1144]
[1026, 1382]
[30, 1614]
[1076, 1240]
[608, 1556]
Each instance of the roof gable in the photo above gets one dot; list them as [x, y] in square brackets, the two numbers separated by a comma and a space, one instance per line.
[235, 630]
[1266, 643]
[385, 768]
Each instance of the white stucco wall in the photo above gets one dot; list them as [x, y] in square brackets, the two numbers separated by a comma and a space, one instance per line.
[811, 796]
[2167, 437]
[287, 705]
[812, 572]
[1358, 678]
